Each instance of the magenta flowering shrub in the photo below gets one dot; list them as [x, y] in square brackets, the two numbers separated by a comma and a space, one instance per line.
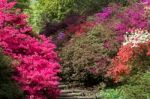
[123, 19]
[37, 62]
[106, 13]
[146, 1]
[131, 17]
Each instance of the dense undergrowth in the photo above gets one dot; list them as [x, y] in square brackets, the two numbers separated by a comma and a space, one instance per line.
[8, 87]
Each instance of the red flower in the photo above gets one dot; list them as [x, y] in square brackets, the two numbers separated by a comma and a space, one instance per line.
[125, 53]
[119, 65]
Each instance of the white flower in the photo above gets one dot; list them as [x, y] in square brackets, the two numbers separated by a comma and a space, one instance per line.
[135, 37]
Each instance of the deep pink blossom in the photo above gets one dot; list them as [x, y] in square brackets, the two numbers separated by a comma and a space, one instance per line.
[37, 68]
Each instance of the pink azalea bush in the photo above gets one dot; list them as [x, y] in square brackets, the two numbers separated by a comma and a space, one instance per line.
[37, 61]
[123, 19]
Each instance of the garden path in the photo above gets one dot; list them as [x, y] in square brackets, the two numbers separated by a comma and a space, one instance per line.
[75, 93]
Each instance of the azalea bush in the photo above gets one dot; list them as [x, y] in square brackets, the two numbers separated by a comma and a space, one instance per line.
[36, 65]
[120, 20]
[80, 28]
[87, 55]
[130, 67]
[132, 57]
[124, 19]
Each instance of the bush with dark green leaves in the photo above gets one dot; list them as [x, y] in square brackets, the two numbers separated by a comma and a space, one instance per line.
[22, 4]
[86, 57]
[8, 87]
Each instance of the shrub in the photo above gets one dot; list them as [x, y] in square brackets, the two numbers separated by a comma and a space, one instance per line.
[37, 62]
[137, 87]
[8, 88]
[124, 19]
[132, 56]
[45, 11]
[112, 94]
[87, 54]
[22, 4]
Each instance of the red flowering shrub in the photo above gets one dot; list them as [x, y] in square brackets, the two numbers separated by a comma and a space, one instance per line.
[132, 57]
[80, 27]
[125, 53]
[119, 65]
[37, 65]
[141, 62]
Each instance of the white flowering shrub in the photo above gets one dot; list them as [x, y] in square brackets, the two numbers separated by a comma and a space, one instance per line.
[135, 37]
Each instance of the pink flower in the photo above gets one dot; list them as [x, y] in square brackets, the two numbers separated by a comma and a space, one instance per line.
[37, 67]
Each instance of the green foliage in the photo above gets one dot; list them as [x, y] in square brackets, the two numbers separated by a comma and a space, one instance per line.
[43, 11]
[23, 4]
[138, 87]
[55, 10]
[8, 88]
[112, 94]
[84, 52]
[142, 62]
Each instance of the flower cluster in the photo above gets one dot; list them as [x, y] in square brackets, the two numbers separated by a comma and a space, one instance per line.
[80, 28]
[134, 16]
[104, 15]
[61, 36]
[146, 1]
[147, 10]
[136, 36]
[37, 68]
[121, 20]
[135, 44]
[119, 65]
[130, 18]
